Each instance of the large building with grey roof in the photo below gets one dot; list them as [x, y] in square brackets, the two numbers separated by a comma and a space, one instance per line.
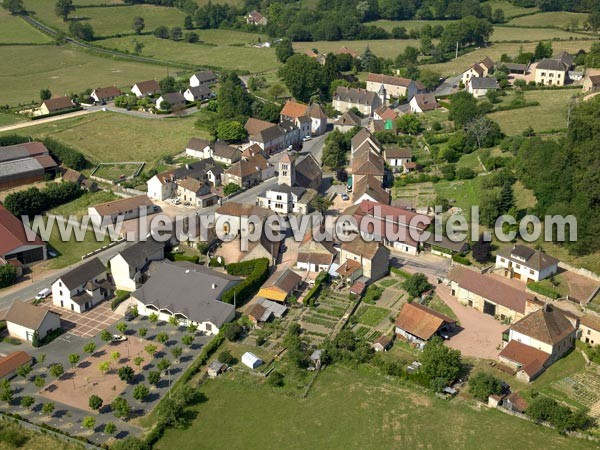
[191, 294]
[129, 265]
[25, 163]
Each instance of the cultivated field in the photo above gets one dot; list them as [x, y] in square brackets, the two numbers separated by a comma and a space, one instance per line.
[14, 30]
[218, 49]
[63, 69]
[554, 18]
[113, 137]
[549, 115]
[494, 51]
[350, 410]
[513, 34]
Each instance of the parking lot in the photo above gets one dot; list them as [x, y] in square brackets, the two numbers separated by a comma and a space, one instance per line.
[89, 323]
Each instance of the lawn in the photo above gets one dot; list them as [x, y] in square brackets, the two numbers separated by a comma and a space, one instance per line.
[113, 137]
[218, 49]
[349, 409]
[388, 48]
[463, 193]
[9, 119]
[71, 251]
[63, 69]
[494, 51]
[11, 432]
[555, 18]
[371, 315]
[79, 207]
[437, 304]
[14, 30]
[551, 114]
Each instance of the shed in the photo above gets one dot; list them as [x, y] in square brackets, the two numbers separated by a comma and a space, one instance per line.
[251, 360]
[216, 368]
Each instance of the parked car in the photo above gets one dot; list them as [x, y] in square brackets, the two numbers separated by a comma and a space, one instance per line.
[345, 196]
[118, 338]
[307, 138]
[44, 293]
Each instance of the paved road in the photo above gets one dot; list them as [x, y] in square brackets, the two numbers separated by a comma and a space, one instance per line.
[433, 266]
[29, 291]
[31, 123]
[447, 87]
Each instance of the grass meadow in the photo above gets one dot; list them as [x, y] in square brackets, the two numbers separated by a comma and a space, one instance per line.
[64, 69]
[14, 30]
[349, 409]
[113, 137]
[554, 18]
[389, 48]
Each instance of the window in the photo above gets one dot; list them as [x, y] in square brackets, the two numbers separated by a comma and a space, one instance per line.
[543, 74]
[502, 260]
[531, 271]
[279, 197]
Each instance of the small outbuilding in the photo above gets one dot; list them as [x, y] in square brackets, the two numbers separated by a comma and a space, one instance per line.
[216, 368]
[251, 360]
[10, 363]
[382, 344]
[23, 320]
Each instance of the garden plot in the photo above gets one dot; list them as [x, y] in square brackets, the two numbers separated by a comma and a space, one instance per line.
[115, 172]
[584, 388]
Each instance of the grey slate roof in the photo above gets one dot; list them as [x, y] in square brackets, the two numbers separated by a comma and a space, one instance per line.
[207, 75]
[137, 254]
[20, 167]
[199, 91]
[353, 95]
[193, 293]
[552, 64]
[83, 273]
[484, 83]
[307, 170]
[222, 150]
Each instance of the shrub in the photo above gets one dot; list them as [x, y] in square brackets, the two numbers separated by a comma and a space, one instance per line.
[182, 257]
[461, 259]
[416, 284]
[482, 385]
[465, 173]
[35, 201]
[256, 272]
[8, 275]
[120, 297]
[65, 154]
[543, 290]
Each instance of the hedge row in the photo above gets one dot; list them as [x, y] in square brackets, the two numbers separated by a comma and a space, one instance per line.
[517, 106]
[400, 272]
[461, 259]
[309, 298]
[61, 152]
[182, 257]
[120, 297]
[35, 201]
[245, 290]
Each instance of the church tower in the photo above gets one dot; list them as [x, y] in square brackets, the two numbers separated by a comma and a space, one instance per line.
[287, 170]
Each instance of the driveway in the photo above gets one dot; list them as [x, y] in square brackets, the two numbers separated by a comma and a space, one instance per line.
[449, 86]
[89, 323]
[481, 335]
[433, 266]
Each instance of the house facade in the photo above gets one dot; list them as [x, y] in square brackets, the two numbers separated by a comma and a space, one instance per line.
[364, 101]
[15, 243]
[372, 258]
[417, 324]
[83, 287]
[105, 94]
[56, 105]
[123, 209]
[24, 320]
[284, 199]
[480, 86]
[128, 266]
[526, 264]
[397, 158]
[591, 83]
[394, 86]
[146, 88]
[205, 78]
[590, 329]
[173, 100]
[422, 103]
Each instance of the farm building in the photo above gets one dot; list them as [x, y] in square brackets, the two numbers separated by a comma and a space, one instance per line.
[15, 242]
[11, 362]
[24, 164]
[417, 324]
[23, 320]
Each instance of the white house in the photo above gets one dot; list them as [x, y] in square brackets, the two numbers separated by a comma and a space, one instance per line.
[198, 148]
[205, 78]
[83, 287]
[105, 94]
[190, 292]
[526, 264]
[23, 320]
[421, 103]
[232, 218]
[397, 158]
[479, 86]
[123, 209]
[197, 93]
[395, 86]
[175, 100]
[364, 101]
[146, 88]
[128, 265]
[284, 199]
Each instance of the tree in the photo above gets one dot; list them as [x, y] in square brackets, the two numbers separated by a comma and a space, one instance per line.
[153, 318]
[226, 357]
[48, 408]
[320, 203]
[482, 385]
[479, 128]
[104, 367]
[95, 402]
[409, 124]
[89, 348]
[275, 379]
[498, 16]
[542, 50]
[191, 37]
[232, 331]
[188, 23]
[153, 377]
[440, 364]
[231, 188]
[45, 94]
[163, 364]
[489, 209]
[463, 108]
[162, 337]
[63, 8]
[88, 422]
[13, 6]
[106, 336]
[507, 198]
[176, 33]
[115, 356]
[176, 352]
[27, 401]
[284, 50]
[82, 31]
[594, 21]
[121, 327]
[161, 32]
[303, 77]
[110, 428]
[39, 382]
[120, 408]
[24, 370]
[233, 101]
[416, 284]
[231, 131]
[187, 339]
[8, 275]
[138, 25]
[56, 370]
[126, 374]
[150, 349]
[482, 250]
[138, 360]
[140, 392]
[143, 332]
[6, 392]
[74, 359]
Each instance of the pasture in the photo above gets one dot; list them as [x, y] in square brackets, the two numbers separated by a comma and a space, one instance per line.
[113, 137]
[14, 30]
[217, 49]
[388, 48]
[509, 9]
[349, 409]
[64, 69]
[513, 34]
[549, 115]
[559, 19]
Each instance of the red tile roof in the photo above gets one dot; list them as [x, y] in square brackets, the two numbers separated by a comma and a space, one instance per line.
[12, 362]
[13, 234]
[294, 109]
[421, 321]
[531, 359]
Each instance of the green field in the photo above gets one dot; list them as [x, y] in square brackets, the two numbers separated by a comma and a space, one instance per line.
[388, 48]
[64, 69]
[113, 137]
[14, 30]
[350, 410]
[9, 119]
[79, 207]
[512, 34]
[70, 252]
[218, 49]
[509, 9]
[549, 115]
[555, 18]
[495, 51]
